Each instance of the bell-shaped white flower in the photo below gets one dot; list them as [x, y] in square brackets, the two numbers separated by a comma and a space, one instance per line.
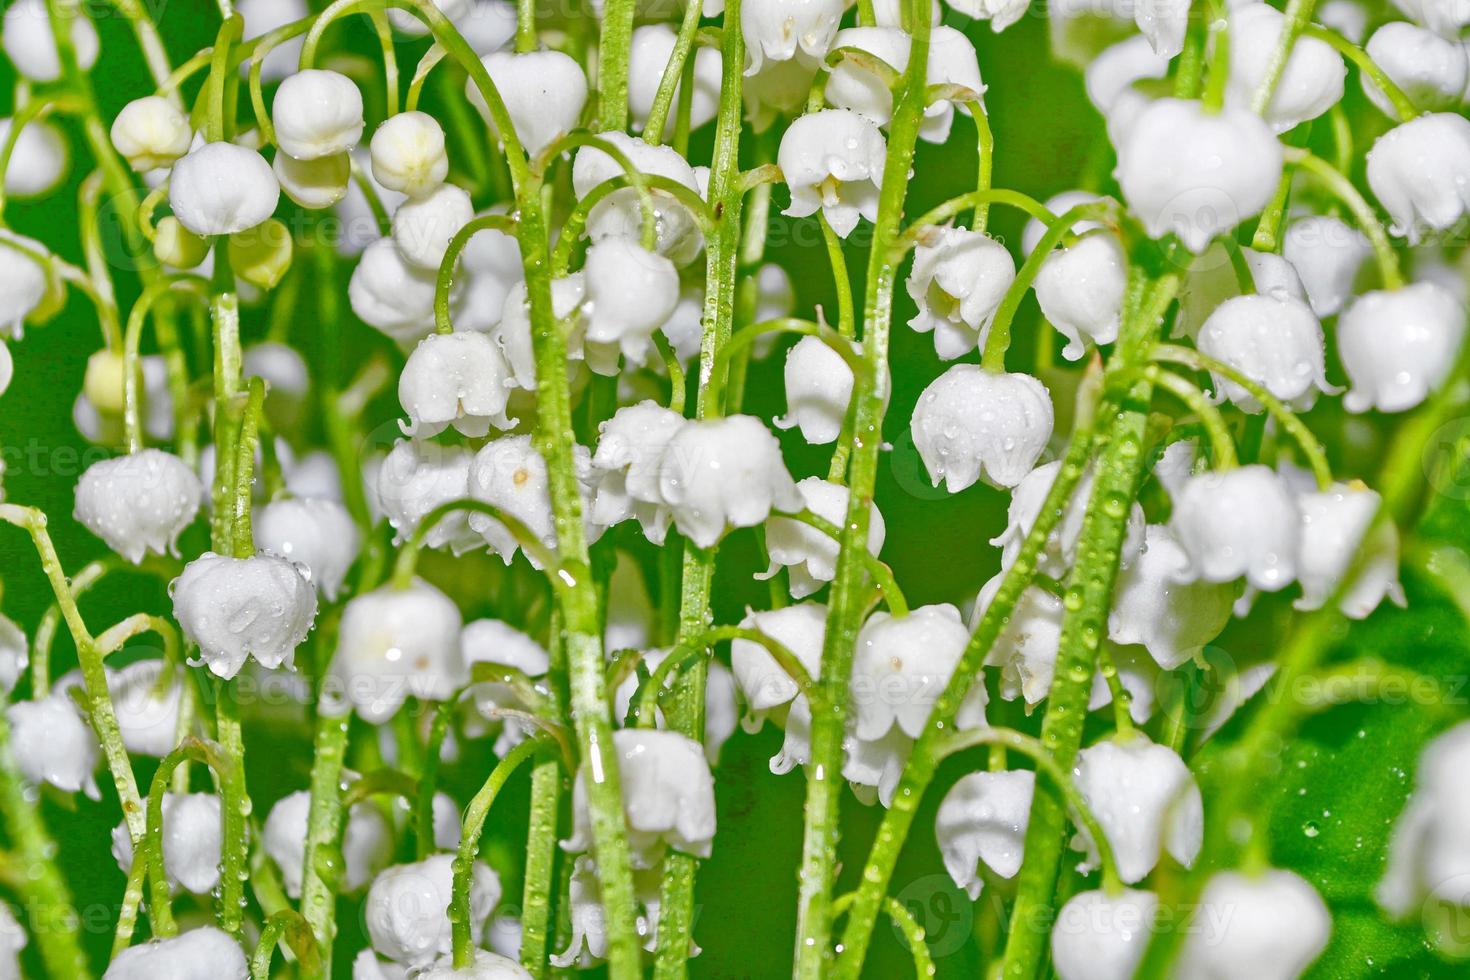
[1157, 607]
[367, 841]
[37, 161]
[236, 608]
[407, 909]
[485, 965]
[1026, 649]
[810, 556]
[1195, 173]
[631, 292]
[952, 61]
[263, 16]
[317, 113]
[28, 290]
[491, 641]
[653, 44]
[408, 153]
[627, 464]
[778, 87]
[589, 940]
[423, 225]
[1446, 17]
[1269, 925]
[958, 281]
[1337, 526]
[853, 86]
[393, 643]
[1145, 801]
[901, 665]
[146, 706]
[387, 293]
[418, 476]
[139, 503]
[314, 184]
[15, 654]
[818, 391]
[1431, 70]
[1420, 173]
[30, 42]
[768, 690]
[1327, 253]
[191, 842]
[723, 473]
[314, 532]
[1000, 13]
[1428, 853]
[1273, 340]
[971, 421]
[1102, 936]
[983, 818]
[620, 213]
[1080, 289]
[1212, 280]
[1163, 22]
[510, 474]
[1399, 345]
[782, 30]
[544, 93]
[1309, 85]
[513, 333]
[1111, 78]
[1239, 523]
[833, 161]
[457, 379]
[668, 796]
[222, 189]
[202, 952]
[52, 744]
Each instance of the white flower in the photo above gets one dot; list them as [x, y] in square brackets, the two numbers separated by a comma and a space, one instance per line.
[778, 87]
[544, 93]
[725, 472]
[408, 153]
[1420, 172]
[1145, 801]
[1212, 280]
[958, 280]
[1429, 69]
[367, 842]
[37, 161]
[1266, 926]
[457, 379]
[952, 61]
[767, 688]
[1080, 289]
[388, 293]
[900, 666]
[1309, 85]
[852, 86]
[147, 710]
[1195, 173]
[1026, 649]
[139, 503]
[970, 420]
[984, 817]
[1000, 13]
[787, 30]
[202, 952]
[626, 468]
[1102, 936]
[1428, 855]
[191, 842]
[818, 391]
[221, 189]
[513, 332]
[1326, 253]
[1163, 22]
[393, 643]
[1399, 345]
[1111, 78]
[485, 966]
[1273, 340]
[317, 113]
[15, 654]
[1154, 605]
[313, 532]
[417, 477]
[30, 42]
[1336, 525]
[630, 294]
[721, 714]
[27, 288]
[52, 744]
[1240, 522]
[808, 554]
[262, 17]
[423, 225]
[236, 608]
[620, 213]
[653, 44]
[494, 642]
[589, 940]
[12, 941]
[407, 909]
[314, 184]
[668, 796]
[1444, 16]
[510, 474]
[833, 161]
[367, 966]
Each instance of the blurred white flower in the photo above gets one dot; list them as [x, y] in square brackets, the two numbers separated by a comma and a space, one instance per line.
[543, 91]
[367, 841]
[395, 643]
[1270, 925]
[191, 842]
[1420, 173]
[313, 532]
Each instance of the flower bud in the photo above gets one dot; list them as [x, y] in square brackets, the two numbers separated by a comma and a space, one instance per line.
[314, 184]
[1309, 85]
[1154, 606]
[104, 381]
[855, 87]
[780, 30]
[147, 710]
[1337, 526]
[1195, 173]
[1399, 345]
[317, 114]
[261, 255]
[833, 161]
[971, 421]
[191, 842]
[983, 818]
[722, 473]
[30, 42]
[630, 294]
[1420, 173]
[221, 189]
[394, 643]
[653, 45]
[175, 245]
[314, 532]
[53, 744]
[456, 379]
[1275, 341]
[1080, 289]
[407, 909]
[423, 226]
[626, 467]
[808, 554]
[1145, 801]
[1327, 254]
[387, 293]
[1000, 13]
[958, 281]
[1240, 522]
[202, 952]
[1429, 69]
[37, 161]
[1266, 924]
[235, 608]
[544, 93]
[139, 503]
[408, 153]
[367, 842]
[1102, 936]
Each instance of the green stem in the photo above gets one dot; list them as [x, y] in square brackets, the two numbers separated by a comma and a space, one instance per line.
[612, 65]
[541, 840]
[1222, 446]
[985, 163]
[1362, 211]
[525, 26]
[841, 281]
[321, 861]
[1298, 15]
[668, 83]
[288, 925]
[1401, 103]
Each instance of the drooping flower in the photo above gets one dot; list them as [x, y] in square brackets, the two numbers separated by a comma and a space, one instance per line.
[263, 16]
[543, 91]
[1269, 924]
[1102, 936]
[1327, 254]
[28, 290]
[367, 842]
[1337, 526]
[147, 708]
[222, 189]
[407, 909]
[952, 62]
[809, 555]
[317, 113]
[387, 293]
[833, 162]
[139, 503]
[900, 666]
[627, 464]
[1156, 607]
[1399, 345]
[37, 160]
[958, 281]
[418, 476]
[191, 842]
[620, 213]
[1420, 173]
[631, 292]
[30, 41]
[1080, 290]
[983, 818]
[313, 532]
[395, 643]
[408, 153]
[491, 641]
[15, 654]
[456, 379]
[971, 421]
[236, 608]
[202, 952]
[1429, 853]
[852, 85]
[781, 31]
[767, 687]
[53, 745]
[513, 332]
[589, 924]
[510, 474]
[423, 225]
[1000, 13]
[1240, 522]
[1026, 649]
[818, 391]
[722, 473]
[1275, 341]
[652, 47]
[1310, 83]
[1429, 69]
[1446, 17]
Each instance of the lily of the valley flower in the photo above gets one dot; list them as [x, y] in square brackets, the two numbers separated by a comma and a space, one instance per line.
[971, 421]
[28, 290]
[423, 226]
[387, 293]
[901, 665]
[1026, 649]
[395, 643]
[782, 31]
[513, 332]
[631, 292]
[53, 744]
[367, 842]
[408, 153]
[406, 911]
[484, 965]
[1431, 70]
[202, 952]
[1420, 173]
[1102, 936]
[652, 46]
[818, 391]
[544, 92]
[620, 214]
[191, 841]
[833, 162]
[1156, 607]
[853, 86]
[1273, 340]
[236, 608]
[30, 41]
[1327, 253]
[722, 473]
[1268, 924]
[417, 477]
[314, 532]
[457, 379]
[151, 133]
[958, 281]
[952, 61]
[1399, 345]
[510, 473]
[317, 113]
[1240, 522]
[1428, 856]
[627, 464]
[313, 184]
[139, 503]
[1080, 290]
[147, 710]
[222, 189]
[810, 556]
[1309, 84]
[767, 688]
[1337, 526]
[983, 818]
